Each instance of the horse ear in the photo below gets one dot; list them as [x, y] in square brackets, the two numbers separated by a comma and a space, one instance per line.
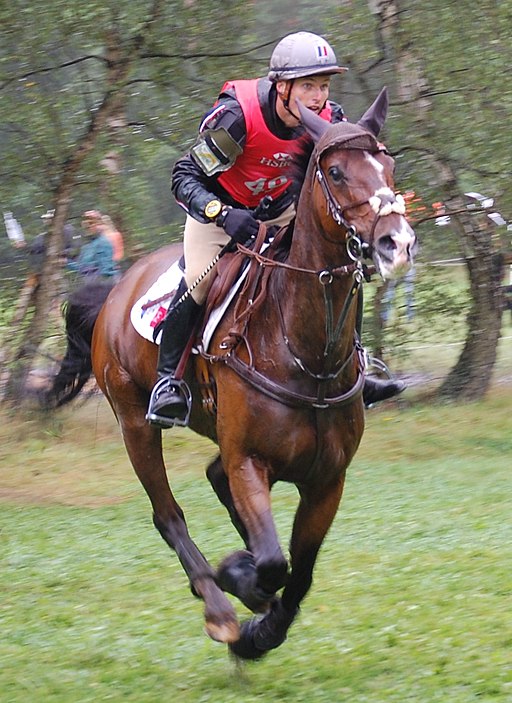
[375, 116]
[314, 125]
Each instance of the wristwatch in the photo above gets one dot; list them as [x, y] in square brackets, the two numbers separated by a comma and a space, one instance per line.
[212, 209]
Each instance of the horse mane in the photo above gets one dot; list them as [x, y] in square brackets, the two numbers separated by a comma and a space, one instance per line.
[299, 166]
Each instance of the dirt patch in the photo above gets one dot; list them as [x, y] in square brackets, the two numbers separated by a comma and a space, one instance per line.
[77, 457]
[74, 458]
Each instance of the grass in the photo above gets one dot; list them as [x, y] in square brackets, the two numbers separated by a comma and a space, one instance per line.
[411, 599]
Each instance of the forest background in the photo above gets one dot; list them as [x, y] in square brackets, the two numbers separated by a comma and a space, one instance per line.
[97, 101]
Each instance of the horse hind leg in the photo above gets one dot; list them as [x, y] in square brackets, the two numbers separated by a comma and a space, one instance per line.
[144, 446]
[220, 484]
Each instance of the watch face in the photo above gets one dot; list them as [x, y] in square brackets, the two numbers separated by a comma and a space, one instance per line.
[213, 208]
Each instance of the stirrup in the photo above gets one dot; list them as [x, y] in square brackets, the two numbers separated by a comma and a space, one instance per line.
[181, 390]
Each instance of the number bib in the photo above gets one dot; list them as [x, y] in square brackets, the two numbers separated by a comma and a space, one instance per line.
[261, 168]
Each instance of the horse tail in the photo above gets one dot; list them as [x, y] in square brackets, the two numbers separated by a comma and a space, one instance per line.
[81, 311]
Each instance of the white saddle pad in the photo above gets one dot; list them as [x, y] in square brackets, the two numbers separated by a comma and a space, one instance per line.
[145, 320]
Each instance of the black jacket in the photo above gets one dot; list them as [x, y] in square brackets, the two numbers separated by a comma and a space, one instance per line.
[193, 189]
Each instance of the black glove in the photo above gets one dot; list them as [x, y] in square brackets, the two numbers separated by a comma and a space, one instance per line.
[239, 224]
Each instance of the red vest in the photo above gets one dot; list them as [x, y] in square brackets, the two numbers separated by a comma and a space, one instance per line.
[261, 168]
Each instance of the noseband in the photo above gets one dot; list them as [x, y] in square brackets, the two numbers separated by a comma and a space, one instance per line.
[382, 206]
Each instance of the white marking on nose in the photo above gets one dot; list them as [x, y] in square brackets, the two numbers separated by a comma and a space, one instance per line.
[392, 202]
[385, 192]
[377, 166]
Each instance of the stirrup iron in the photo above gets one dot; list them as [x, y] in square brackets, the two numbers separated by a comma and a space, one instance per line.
[181, 389]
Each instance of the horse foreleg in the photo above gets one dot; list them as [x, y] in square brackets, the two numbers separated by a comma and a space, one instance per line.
[220, 484]
[237, 573]
[256, 574]
[144, 446]
[313, 519]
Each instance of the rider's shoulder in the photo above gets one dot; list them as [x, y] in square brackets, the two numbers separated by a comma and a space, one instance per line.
[225, 112]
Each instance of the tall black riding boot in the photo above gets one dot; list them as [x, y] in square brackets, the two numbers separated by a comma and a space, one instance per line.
[170, 400]
[376, 389]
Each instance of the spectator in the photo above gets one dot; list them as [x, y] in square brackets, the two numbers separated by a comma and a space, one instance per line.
[37, 247]
[114, 236]
[387, 301]
[96, 258]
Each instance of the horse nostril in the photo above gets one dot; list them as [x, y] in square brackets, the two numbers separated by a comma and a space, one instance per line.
[386, 244]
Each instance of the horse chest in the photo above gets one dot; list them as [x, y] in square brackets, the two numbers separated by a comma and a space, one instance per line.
[305, 446]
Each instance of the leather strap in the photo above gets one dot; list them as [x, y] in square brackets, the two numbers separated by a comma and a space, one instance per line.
[291, 398]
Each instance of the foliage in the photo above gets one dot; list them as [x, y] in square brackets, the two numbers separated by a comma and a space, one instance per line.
[53, 72]
[54, 77]
[55, 66]
[440, 303]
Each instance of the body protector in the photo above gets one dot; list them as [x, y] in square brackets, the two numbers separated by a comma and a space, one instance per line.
[260, 169]
[223, 129]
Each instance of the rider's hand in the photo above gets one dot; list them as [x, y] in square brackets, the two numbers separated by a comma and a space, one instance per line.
[239, 224]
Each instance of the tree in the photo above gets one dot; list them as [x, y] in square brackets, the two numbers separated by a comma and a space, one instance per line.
[445, 103]
[102, 79]
[64, 133]
[454, 161]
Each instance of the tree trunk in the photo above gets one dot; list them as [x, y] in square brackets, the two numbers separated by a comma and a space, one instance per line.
[470, 377]
[48, 290]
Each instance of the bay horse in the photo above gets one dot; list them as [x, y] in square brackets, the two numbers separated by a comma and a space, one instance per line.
[287, 387]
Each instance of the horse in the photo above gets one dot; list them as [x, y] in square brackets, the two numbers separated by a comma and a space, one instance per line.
[286, 370]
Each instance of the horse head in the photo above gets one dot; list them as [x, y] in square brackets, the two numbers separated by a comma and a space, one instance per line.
[354, 173]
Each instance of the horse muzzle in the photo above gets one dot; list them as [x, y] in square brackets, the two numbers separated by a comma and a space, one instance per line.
[394, 250]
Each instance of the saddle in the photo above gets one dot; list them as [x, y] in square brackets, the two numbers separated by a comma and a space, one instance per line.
[231, 267]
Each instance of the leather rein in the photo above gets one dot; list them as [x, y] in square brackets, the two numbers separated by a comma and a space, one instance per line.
[356, 252]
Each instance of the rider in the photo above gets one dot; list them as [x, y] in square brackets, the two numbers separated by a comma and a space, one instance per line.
[243, 152]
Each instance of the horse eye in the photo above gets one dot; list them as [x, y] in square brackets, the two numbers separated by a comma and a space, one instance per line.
[336, 174]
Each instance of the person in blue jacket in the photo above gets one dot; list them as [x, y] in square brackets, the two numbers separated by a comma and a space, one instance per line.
[96, 258]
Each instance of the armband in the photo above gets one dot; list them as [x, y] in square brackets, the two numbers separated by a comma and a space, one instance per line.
[215, 150]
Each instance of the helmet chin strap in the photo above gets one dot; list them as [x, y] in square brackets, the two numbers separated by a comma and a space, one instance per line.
[286, 99]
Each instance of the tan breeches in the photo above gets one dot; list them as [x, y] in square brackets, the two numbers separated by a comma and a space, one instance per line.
[202, 243]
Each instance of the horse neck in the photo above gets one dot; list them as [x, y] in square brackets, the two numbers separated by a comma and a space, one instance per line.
[301, 295]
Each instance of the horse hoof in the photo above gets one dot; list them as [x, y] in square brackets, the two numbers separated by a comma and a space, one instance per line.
[237, 575]
[244, 647]
[227, 633]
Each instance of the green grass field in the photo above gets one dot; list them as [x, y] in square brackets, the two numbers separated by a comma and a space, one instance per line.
[412, 593]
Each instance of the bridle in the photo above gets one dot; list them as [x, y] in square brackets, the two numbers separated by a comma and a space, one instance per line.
[337, 212]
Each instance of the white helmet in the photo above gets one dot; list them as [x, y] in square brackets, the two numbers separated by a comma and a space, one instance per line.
[302, 54]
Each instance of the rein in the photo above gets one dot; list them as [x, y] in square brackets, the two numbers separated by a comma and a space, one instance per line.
[326, 277]
[383, 204]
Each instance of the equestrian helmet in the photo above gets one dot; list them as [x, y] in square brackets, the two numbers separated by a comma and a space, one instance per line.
[302, 54]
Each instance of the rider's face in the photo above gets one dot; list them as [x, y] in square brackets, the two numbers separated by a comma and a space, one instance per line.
[312, 91]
